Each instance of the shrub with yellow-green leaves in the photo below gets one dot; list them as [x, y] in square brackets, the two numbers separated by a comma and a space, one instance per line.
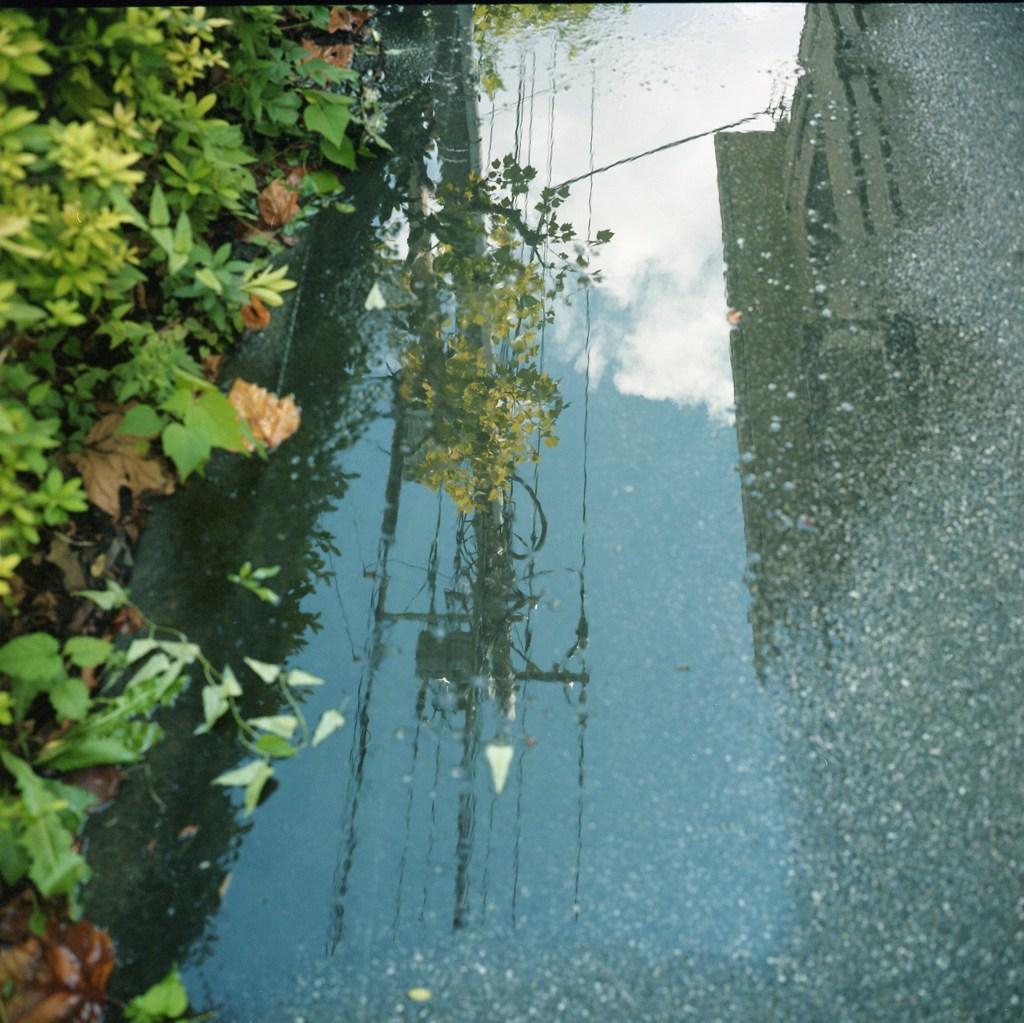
[122, 177]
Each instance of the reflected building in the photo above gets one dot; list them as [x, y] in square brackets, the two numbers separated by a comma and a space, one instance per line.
[823, 371]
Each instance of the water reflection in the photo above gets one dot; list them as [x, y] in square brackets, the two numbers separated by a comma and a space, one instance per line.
[807, 815]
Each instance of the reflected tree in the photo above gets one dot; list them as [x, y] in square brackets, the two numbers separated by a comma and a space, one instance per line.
[484, 275]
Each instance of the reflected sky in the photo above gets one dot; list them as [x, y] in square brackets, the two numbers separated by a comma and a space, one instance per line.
[661, 73]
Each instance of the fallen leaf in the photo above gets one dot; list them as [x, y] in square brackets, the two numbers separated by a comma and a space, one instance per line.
[103, 781]
[271, 419]
[338, 55]
[212, 364]
[127, 621]
[344, 19]
[294, 176]
[64, 555]
[419, 994]
[277, 203]
[60, 977]
[734, 316]
[499, 757]
[113, 460]
[188, 831]
[255, 315]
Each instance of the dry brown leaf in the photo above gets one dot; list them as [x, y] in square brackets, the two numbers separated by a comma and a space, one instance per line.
[271, 419]
[211, 365]
[277, 203]
[344, 19]
[59, 978]
[103, 781]
[340, 54]
[255, 315]
[112, 460]
[65, 556]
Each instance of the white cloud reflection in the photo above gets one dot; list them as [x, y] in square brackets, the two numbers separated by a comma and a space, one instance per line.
[662, 332]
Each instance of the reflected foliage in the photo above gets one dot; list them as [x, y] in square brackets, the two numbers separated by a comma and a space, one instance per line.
[495, 24]
[485, 274]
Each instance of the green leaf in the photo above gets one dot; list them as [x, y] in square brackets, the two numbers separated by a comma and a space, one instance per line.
[166, 1000]
[215, 417]
[329, 120]
[183, 236]
[215, 706]
[14, 861]
[253, 776]
[141, 421]
[34, 657]
[87, 651]
[283, 725]
[275, 746]
[330, 721]
[80, 748]
[55, 868]
[187, 447]
[267, 672]
[297, 677]
[34, 665]
[159, 215]
[112, 597]
[343, 153]
[70, 699]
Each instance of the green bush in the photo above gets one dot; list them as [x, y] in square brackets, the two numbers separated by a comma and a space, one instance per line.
[132, 143]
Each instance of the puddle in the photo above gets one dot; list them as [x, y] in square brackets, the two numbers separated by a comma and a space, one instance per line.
[746, 636]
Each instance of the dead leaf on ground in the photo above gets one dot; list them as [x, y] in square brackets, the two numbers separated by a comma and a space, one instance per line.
[211, 366]
[277, 203]
[60, 977]
[271, 419]
[112, 460]
[344, 19]
[64, 555]
[294, 176]
[103, 781]
[338, 55]
[127, 621]
[255, 315]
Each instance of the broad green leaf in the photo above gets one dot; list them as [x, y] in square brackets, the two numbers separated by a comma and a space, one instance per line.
[328, 120]
[215, 416]
[36, 796]
[34, 657]
[34, 665]
[275, 746]
[330, 721]
[187, 447]
[343, 154]
[82, 748]
[267, 672]
[87, 651]
[283, 725]
[298, 677]
[166, 1000]
[70, 699]
[141, 421]
[55, 868]
[151, 668]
